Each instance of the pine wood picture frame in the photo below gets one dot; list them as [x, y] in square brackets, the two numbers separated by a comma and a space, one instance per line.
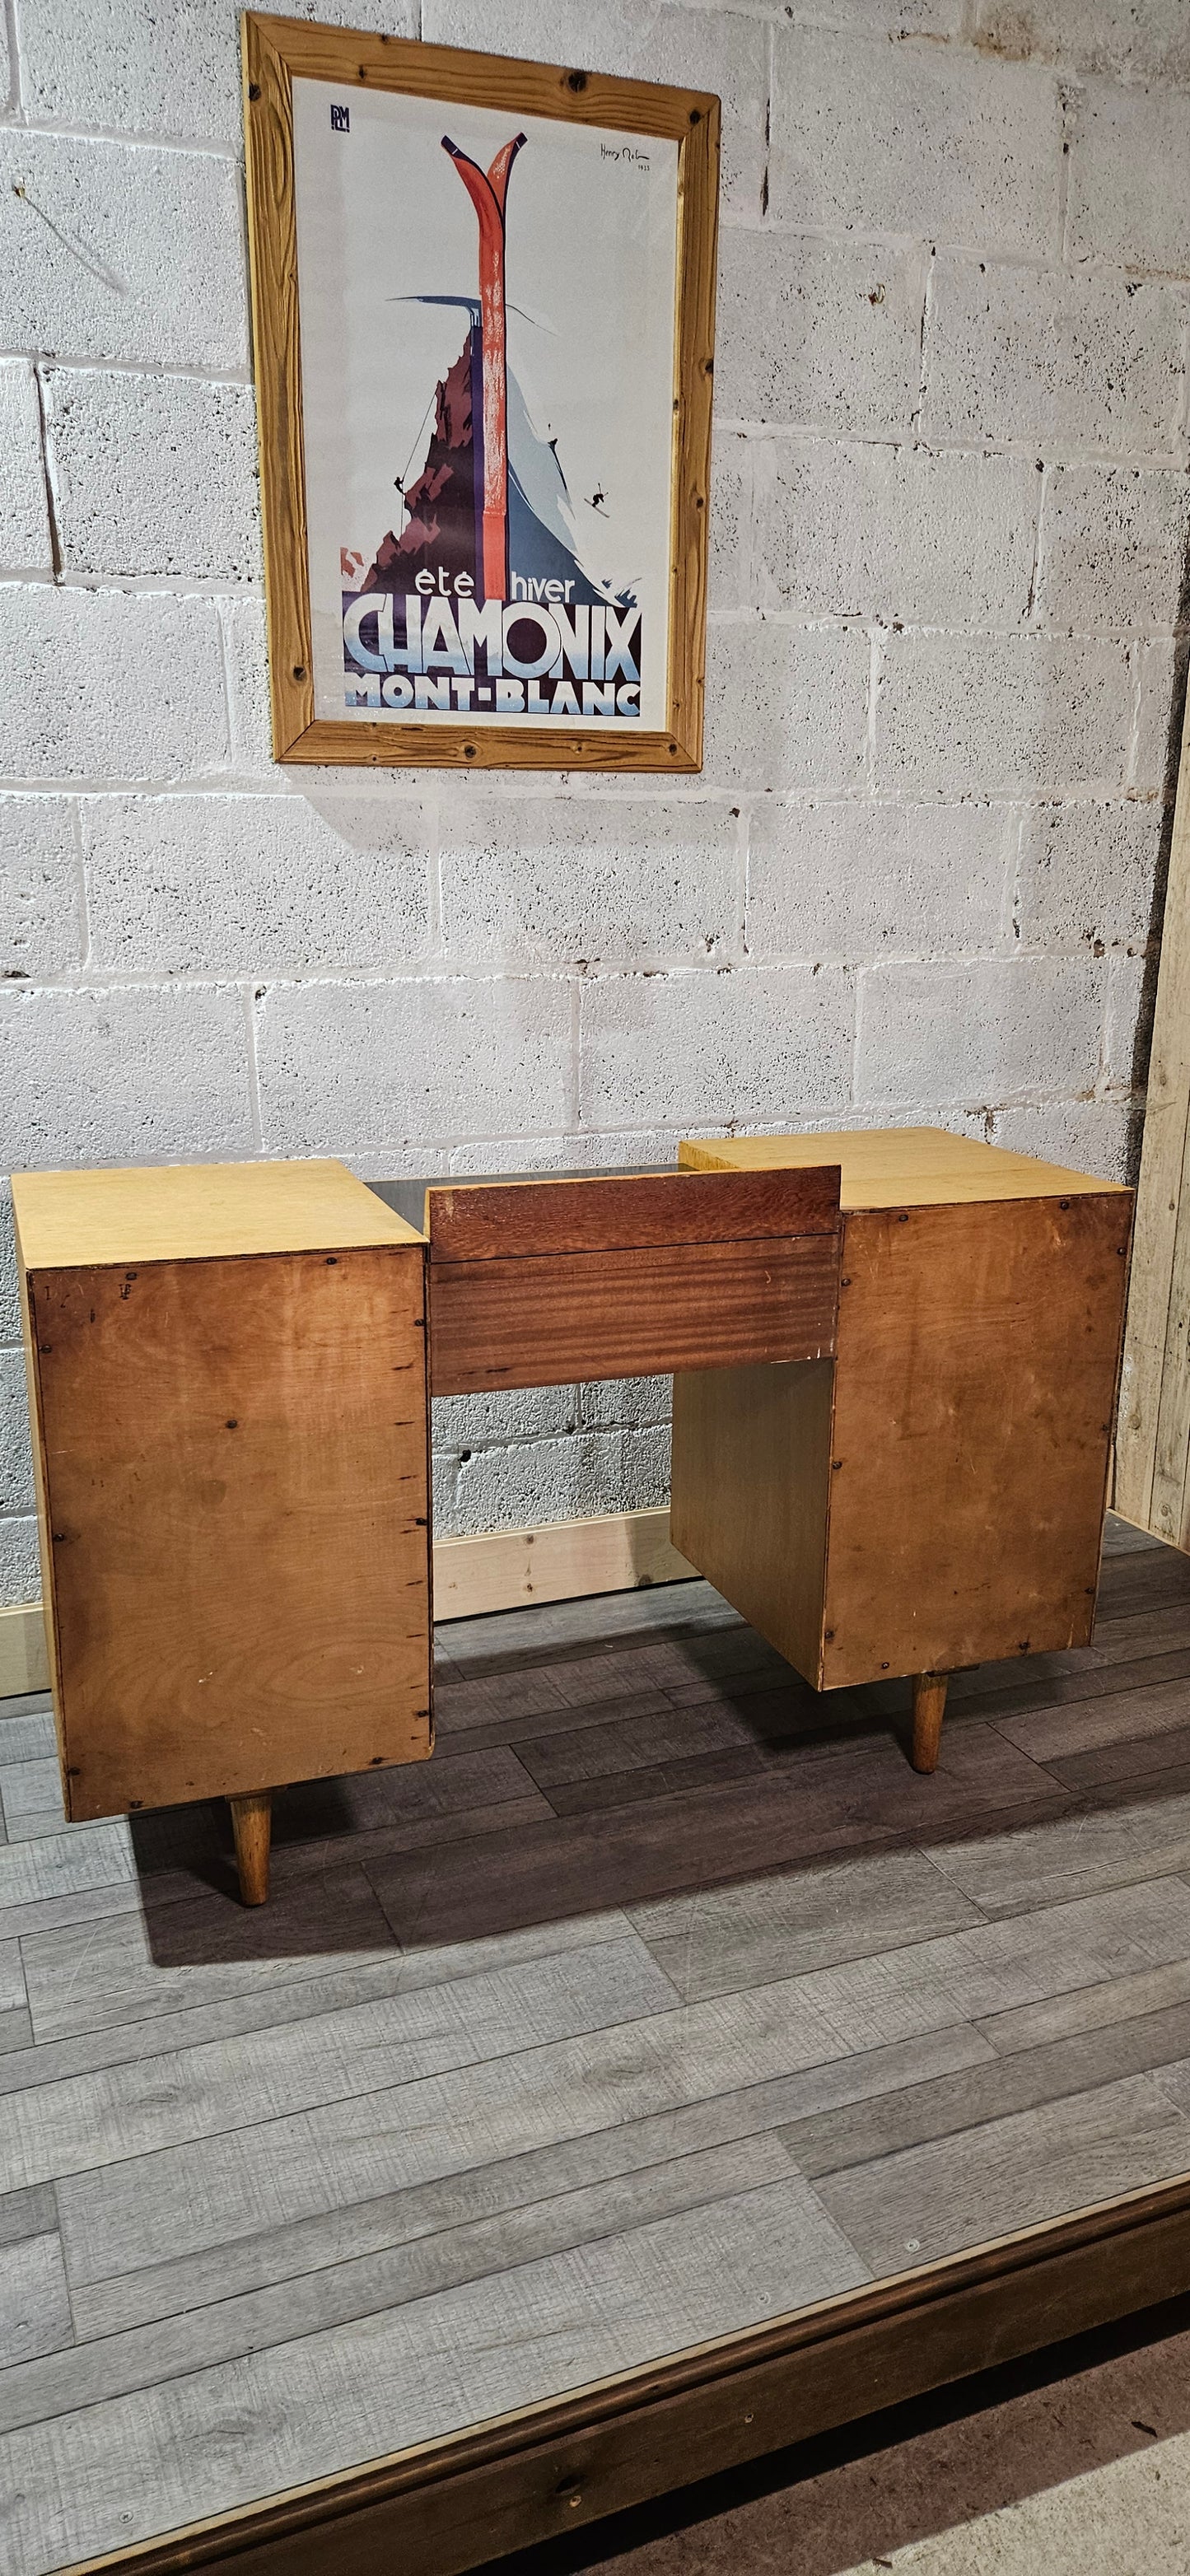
[278, 51]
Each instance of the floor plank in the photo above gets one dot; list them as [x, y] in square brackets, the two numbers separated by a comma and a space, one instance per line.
[985, 2182]
[665, 1997]
[1070, 1855]
[223, 2086]
[34, 2305]
[941, 2107]
[106, 2475]
[367, 2284]
[352, 2228]
[763, 1928]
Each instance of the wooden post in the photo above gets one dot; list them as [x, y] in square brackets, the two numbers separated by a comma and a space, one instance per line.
[929, 1702]
[252, 1824]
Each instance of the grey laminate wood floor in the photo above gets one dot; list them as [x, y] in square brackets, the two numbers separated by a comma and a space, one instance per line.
[666, 1998]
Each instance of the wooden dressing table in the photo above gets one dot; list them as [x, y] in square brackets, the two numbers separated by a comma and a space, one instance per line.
[935, 1496]
[895, 1359]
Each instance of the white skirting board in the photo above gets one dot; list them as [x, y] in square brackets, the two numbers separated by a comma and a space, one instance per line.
[501, 1570]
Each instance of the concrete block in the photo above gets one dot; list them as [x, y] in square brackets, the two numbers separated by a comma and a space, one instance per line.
[1085, 873]
[487, 1157]
[254, 885]
[881, 17]
[247, 666]
[1127, 1032]
[606, 1151]
[979, 1032]
[1113, 549]
[161, 71]
[112, 250]
[1002, 715]
[356, 1067]
[561, 1480]
[552, 880]
[1097, 1136]
[631, 1403]
[743, 1045]
[102, 685]
[729, 551]
[857, 881]
[787, 706]
[10, 1309]
[444, 1477]
[1111, 36]
[818, 334]
[154, 475]
[1128, 155]
[893, 532]
[462, 1423]
[20, 1565]
[931, 140]
[695, 48]
[16, 1455]
[41, 918]
[1043, 360]
[24, 517]
[1160, 679]
[139, 1074]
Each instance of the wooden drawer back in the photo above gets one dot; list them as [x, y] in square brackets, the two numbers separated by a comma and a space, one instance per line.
[537, 1282]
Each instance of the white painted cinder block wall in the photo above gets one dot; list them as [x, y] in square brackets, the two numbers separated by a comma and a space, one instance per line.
[916, 880]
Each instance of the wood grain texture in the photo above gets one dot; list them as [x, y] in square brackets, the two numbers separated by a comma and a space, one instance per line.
[441, 2509]
[974, 1397]
[234, 1456]
[196, 1212]
[24, 1659]
[550, 1319]
[750, 1490]
[252, 1825]
[929, 1709]
[1153, 1442]
[561, 1561]
[503, 1220]
[275, 51]
[328, 2192]
[899, 1166]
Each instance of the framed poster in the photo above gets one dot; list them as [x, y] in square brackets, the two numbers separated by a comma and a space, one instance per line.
[483, 311]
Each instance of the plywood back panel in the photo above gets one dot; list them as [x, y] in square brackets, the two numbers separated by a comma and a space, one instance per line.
[548, 1320]
[748, 1507]
[977, 1359]
[898, 1166]
[234, 1461]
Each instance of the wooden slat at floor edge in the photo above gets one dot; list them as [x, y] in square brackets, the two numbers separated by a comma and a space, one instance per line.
[449, 2507]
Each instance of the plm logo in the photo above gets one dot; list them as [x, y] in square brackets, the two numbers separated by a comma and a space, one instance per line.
[340, 119]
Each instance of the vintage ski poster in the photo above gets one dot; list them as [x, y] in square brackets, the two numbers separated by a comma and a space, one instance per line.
[483, 319]
[487, 333]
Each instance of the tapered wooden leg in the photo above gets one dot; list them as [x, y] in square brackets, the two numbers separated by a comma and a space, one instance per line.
[252, 1824]
[929, 1702]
